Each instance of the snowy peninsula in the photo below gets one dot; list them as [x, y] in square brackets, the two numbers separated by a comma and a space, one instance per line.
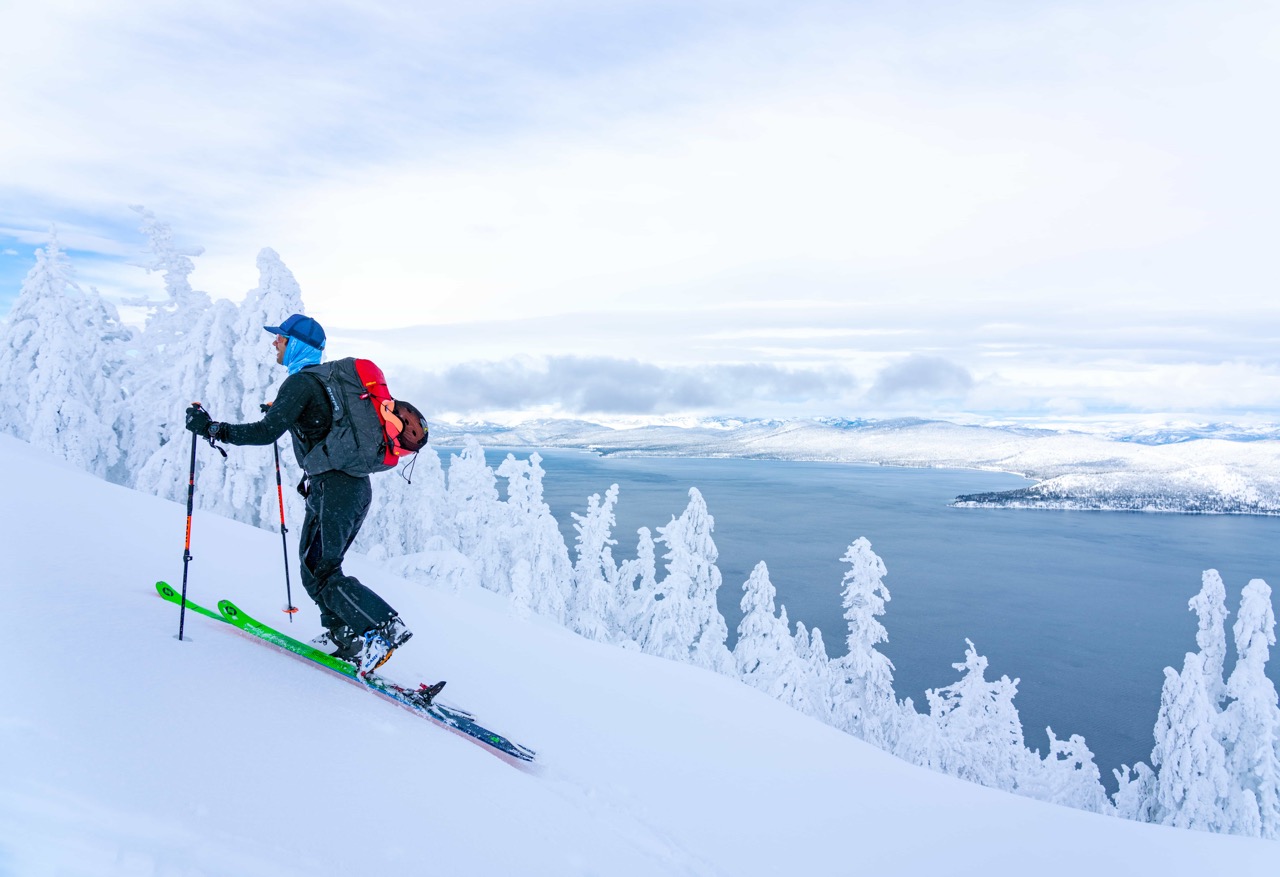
[1218, 469]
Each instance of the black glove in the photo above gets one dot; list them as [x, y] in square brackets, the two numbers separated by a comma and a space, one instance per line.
[198, 421]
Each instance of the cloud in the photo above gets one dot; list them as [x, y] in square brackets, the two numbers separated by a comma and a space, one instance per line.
[920, 376]
[604, 385]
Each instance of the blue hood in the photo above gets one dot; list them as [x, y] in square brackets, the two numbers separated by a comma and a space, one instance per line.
[299, 354]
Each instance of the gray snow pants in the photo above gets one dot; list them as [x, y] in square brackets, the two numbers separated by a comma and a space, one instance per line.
[336, 506]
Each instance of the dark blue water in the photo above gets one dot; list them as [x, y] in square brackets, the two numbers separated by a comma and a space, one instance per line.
[1085, 608]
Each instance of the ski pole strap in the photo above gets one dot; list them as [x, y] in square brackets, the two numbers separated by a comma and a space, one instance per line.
[216, 446]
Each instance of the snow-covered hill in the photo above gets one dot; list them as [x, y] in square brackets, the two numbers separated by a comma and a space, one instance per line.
[1204, 468]
[126, 752]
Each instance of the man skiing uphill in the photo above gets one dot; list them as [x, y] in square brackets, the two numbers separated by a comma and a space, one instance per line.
[360, 626]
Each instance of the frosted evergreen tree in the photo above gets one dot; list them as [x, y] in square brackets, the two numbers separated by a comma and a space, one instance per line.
[477, 516]
[228, 365]
[637, 591]
[61, 354]
[1067, 776]
[1136, 796]
[1192, 785]
[1250, 724]
[812, 651]
[979, 731]
[407, 510]
[200, 372]
[255, 374]
[540, 569]
[865, 704]
[594, 611]
[173, 344]
[765, 654]
[1210, 606]
[690, 589]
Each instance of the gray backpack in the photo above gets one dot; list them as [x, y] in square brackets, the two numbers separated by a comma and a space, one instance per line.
[359, 442]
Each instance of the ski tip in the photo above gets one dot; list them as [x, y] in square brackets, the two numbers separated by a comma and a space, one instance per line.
[229, 610]
[163, 589]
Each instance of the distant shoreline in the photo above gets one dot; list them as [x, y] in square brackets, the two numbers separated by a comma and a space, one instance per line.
[1203, 474]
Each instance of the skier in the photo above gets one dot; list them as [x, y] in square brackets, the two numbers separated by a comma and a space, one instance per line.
[360, 626]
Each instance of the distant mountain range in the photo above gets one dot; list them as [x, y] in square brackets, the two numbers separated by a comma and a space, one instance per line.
[1195, 468]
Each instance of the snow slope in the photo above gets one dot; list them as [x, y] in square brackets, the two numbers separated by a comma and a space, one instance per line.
[126, 752]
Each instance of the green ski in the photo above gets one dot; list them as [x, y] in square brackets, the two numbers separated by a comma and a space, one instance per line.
[419, 701]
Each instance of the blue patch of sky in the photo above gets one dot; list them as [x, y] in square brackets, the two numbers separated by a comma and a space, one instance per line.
[123, 245]
[16, 260]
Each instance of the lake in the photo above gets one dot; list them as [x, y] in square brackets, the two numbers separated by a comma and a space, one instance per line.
[1085, 608]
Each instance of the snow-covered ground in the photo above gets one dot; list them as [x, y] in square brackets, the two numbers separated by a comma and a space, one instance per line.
[126, 752]
[1179, 468]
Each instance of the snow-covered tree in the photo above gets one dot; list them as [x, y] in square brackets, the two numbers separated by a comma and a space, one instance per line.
[865, 704]
[541, 575]
[1210, 606]
[1136, 796]
[637, 590]
[229, 366]
[765, 653]
[171, 366]
[812, 651]
[1250, 725]
[1192, 784]
[407, 510]
[1067, 776]
[689, 590]
[593, 609]
[61, 355]
[477, 516]
[979, 731]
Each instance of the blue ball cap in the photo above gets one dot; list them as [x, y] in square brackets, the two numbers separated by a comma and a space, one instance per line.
[305, 329]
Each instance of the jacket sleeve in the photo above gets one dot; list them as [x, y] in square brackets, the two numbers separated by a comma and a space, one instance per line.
[284, 412]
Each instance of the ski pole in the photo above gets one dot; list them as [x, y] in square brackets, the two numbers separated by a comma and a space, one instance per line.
[186, 550]
[290, 609]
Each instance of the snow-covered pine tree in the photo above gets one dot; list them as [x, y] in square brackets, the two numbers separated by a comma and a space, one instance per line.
[865, 704]
[980, 734]
[593, 607]
[1210, 606]
[765, 653]
[1191, 786]
[1067, 776]
[812, 650]
[1250, 725]
[1135, 798]
[540, 571]
[690, 589]
[406, 512]
[637, 591]
[229, 366]
[258, 377]
[477, 516]
[61, 356]
[155, 380]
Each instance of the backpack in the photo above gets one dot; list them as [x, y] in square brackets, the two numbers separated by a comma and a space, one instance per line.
[371, 431]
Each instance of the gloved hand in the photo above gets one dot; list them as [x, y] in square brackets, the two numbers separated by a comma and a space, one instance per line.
[198, 421]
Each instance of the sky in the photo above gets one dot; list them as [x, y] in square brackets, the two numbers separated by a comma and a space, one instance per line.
[989, 209]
